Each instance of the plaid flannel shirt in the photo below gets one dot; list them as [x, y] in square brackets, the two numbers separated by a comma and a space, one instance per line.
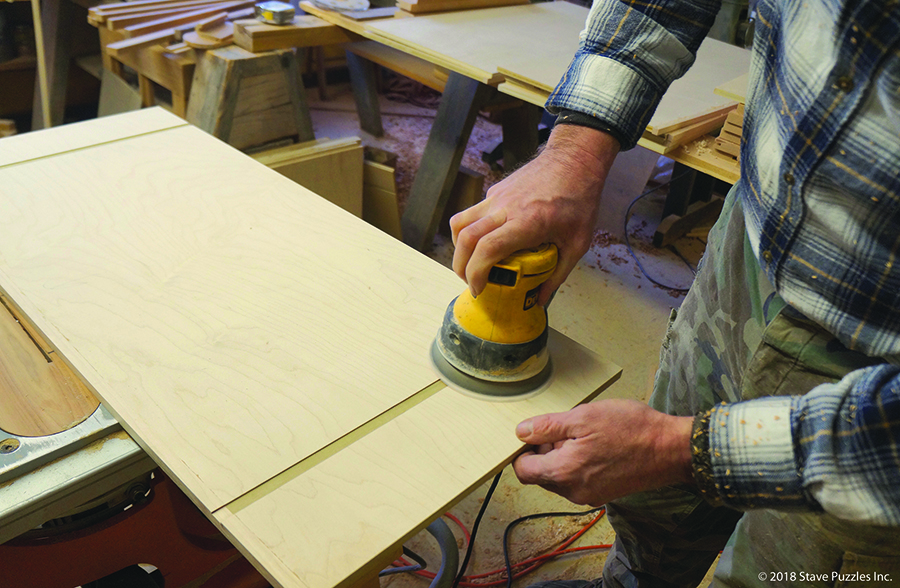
[820, 185]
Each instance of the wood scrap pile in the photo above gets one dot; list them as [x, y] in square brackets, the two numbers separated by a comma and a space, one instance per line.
[144, 23]
[414, 7]
[728, 143]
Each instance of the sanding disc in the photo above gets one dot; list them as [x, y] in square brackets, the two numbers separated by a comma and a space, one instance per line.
[496, 391]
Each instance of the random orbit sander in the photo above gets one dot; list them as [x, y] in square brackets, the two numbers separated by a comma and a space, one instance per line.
[495, 345]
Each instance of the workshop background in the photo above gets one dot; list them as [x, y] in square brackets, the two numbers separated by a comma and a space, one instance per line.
[616, 301]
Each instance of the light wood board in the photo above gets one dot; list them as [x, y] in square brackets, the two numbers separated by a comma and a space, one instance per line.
[735, 89]
[27, 146]
[476, 42]
[268, 349]
[333, 169]
[531, 76]
[375, 497]
[210, 300]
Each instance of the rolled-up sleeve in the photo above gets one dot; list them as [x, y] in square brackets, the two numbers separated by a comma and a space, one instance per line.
[628, 55]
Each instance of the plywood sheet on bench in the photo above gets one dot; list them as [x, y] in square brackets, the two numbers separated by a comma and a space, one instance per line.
[232, 320]
[688, 99]
[323, 528]
[475, 42]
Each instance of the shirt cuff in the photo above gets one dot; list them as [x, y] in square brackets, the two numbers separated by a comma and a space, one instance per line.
[619, 97]
[752, 457]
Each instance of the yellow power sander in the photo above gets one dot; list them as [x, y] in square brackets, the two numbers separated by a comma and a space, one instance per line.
[496, 345]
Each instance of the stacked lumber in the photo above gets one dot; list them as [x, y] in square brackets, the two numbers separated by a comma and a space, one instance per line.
[144, 23]
[728, 143]
[413, 7]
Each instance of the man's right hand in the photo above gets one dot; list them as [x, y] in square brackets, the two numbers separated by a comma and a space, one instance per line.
[552, 199]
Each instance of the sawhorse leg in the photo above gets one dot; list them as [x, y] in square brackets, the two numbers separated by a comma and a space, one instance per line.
[520, 134]
[55, 25]
[362, 81]
[462, 100]
[689, 203]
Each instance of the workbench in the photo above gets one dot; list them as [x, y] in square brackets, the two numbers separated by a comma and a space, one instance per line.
[521, 52]
[268, 350]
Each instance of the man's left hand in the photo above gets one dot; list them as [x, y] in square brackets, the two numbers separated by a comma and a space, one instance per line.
[604, 450]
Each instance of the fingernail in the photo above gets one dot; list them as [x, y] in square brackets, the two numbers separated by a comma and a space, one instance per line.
[524, 429]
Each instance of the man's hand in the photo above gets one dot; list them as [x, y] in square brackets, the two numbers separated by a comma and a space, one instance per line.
[552, 199]
[604, 450]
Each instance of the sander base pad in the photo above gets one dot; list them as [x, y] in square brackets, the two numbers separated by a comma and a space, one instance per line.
[485, 390]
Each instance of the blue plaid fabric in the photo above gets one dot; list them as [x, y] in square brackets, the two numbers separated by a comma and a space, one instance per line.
[820, 187]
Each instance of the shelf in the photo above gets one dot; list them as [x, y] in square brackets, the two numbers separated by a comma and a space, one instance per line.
[19, 63]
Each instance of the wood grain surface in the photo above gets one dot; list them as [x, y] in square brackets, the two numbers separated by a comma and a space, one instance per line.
[268, 349]
[324, 528]
[20, 148]
[476, 42]
[234, 321]
[39, 394]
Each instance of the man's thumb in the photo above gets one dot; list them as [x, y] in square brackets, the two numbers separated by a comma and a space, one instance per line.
[547, 428]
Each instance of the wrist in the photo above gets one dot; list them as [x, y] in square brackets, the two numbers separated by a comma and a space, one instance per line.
[673, 449]
[583, 147]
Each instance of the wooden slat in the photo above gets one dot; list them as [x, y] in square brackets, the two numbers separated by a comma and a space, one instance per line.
[429, 6]
[120, 22]
[119, 48]
[701, 155]
[304, 31]
[186, 18]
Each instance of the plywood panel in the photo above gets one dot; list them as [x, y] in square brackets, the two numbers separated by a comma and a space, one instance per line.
[689, 99]
[27, 146]
[232, 320]
[475, 42]
[322, 528]
[268, 349]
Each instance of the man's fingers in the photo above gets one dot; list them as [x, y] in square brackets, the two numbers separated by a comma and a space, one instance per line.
[464, 218]
[547, 428]
[532, 468]
[568, 259]
[469, 239]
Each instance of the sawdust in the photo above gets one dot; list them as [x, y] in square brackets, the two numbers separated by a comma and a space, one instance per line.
[406, 135]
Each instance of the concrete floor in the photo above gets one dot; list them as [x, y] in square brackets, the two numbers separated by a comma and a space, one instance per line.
[606, 304]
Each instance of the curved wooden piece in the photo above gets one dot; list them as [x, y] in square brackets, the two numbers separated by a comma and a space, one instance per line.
[39, 394]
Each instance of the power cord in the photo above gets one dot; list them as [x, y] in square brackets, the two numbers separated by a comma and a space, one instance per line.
[543, 515]
[631, 250]
[487, 499]
[420, 564]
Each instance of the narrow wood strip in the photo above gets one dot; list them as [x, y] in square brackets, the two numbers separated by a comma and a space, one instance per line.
[332, 449]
